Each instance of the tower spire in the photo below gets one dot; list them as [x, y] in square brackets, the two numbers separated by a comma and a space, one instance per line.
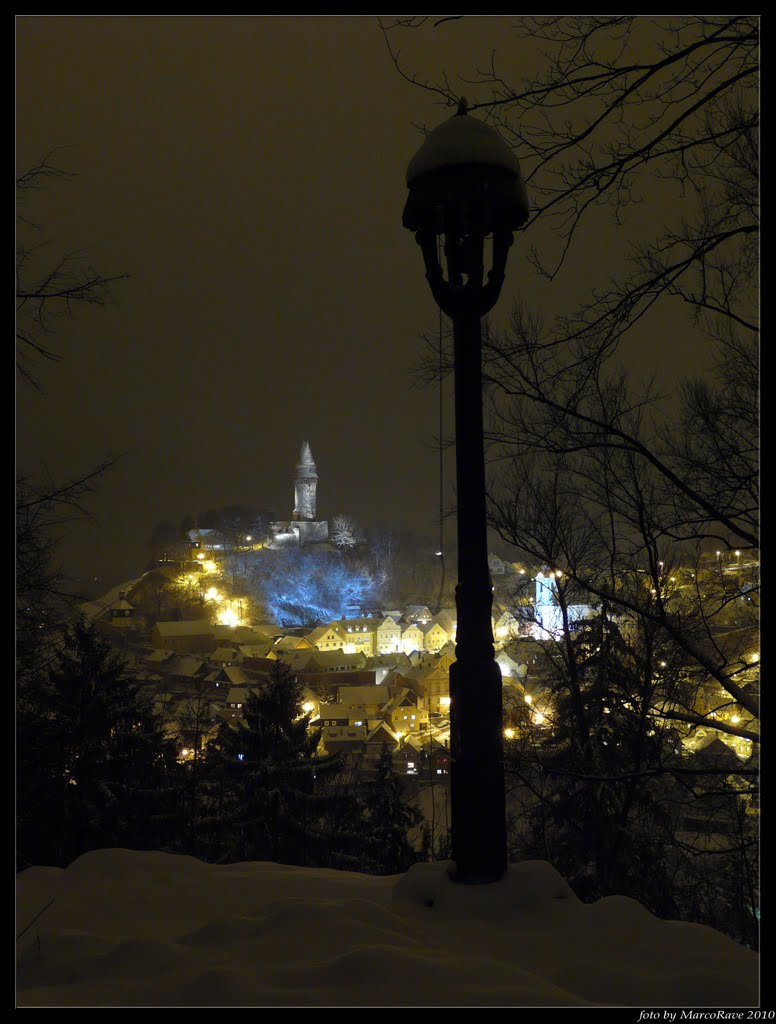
[305, 485]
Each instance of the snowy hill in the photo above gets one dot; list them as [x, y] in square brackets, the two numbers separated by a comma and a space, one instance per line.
[122, 928]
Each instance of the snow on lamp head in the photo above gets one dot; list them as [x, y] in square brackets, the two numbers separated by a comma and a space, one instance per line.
[464, 184]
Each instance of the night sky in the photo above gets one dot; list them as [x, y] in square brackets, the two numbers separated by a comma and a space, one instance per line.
[248, 174]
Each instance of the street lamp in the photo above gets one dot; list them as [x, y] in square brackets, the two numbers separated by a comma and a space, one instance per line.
[465, 187]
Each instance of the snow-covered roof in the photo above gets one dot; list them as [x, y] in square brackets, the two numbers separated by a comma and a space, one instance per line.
[229, 673]
[223, 654]
[192, 627]
[158, 656]
[381, 732]
[112, 599]
[351, 695]
[238, 694]
[407, 627]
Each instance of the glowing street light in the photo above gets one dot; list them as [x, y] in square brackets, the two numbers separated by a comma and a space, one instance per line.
[465, 186]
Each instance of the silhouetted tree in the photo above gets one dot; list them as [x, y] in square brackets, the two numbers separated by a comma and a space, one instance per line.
[617, 102]
[265, 777]
[623, 109]
[47, 289]
[389, 820]
[94, 769]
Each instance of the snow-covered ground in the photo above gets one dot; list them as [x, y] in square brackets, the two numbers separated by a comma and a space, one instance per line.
[122, 928]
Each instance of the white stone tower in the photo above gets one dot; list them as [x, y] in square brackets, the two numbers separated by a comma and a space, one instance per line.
[305, 486]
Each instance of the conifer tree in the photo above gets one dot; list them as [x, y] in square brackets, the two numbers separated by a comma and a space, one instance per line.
[266, 780]
[94, 768]
[389, 820]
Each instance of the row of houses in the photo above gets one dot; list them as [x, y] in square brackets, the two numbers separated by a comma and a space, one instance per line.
[369, 636]
[364, 719]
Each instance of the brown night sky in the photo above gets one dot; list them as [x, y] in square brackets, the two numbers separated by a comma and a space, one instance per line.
[248, 174]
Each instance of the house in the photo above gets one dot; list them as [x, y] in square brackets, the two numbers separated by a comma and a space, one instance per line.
[255, 650]
[327, 638]
[510, 668]
[337, 661]
[424, 755]
[206, 541]
[294, 660]
[385, 663]
[388, 636]
[185, 669]
[184, 637]
[326, 681]
[411, 638]
[417, 613]
[368, 700]
[157, 660]
[434, 678]
[505, 627]
[448, 619]
[376, 740]
[258, 666]
[229, 676]
[233, 636]
[121, 614]
[224, 656]
[236, 698]
[404, 713]
[435, 636]
[292, 643]
[343, 730]
[360, 635]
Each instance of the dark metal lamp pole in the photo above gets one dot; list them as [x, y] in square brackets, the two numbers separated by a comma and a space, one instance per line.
[465, 185]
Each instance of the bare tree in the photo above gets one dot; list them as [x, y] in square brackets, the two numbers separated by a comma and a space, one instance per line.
[344, 533]
[42, 594]
[591, 474]
[586, 468]
[619, 102]
[48, 287]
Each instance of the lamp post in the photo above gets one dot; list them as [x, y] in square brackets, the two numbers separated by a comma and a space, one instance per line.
[464, 187]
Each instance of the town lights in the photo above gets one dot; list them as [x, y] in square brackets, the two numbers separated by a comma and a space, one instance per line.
[465, 190]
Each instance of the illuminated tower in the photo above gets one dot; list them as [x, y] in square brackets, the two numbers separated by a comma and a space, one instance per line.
[303, 528]
[305, 485]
